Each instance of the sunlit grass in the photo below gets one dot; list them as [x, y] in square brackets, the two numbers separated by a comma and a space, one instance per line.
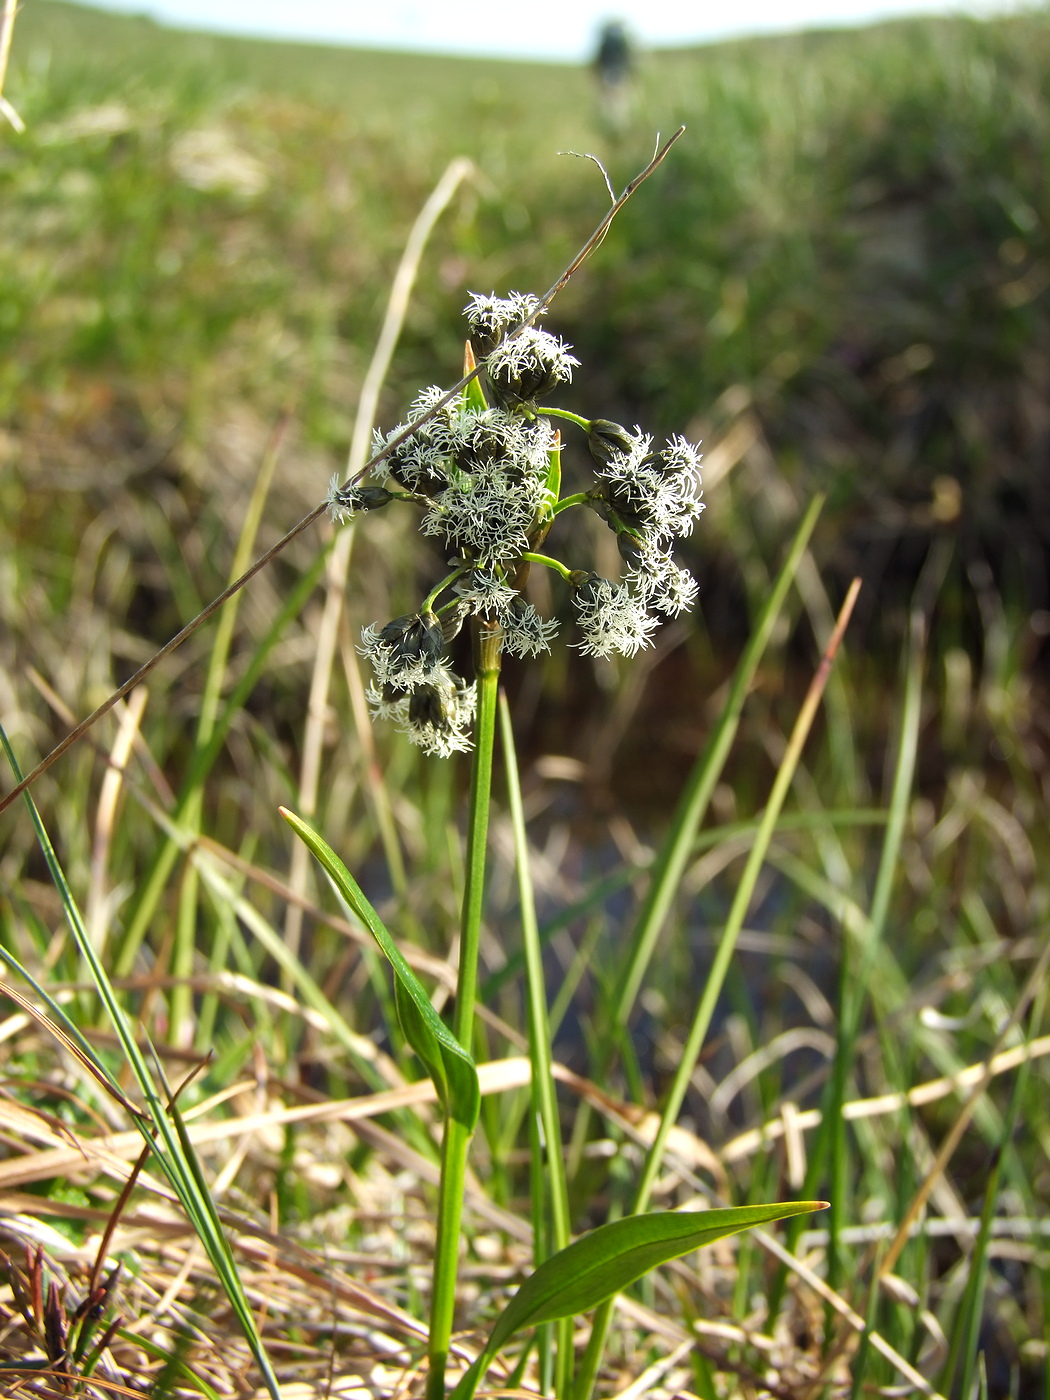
[198, 236]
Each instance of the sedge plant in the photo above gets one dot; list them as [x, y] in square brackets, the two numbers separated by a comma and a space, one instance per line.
[484, 470]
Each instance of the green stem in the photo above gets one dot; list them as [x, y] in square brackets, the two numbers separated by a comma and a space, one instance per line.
[544, 1096]
[584, 423]
[549, 563]
[581, 498]
[488, 641]
[454, 1146]
[435, 593]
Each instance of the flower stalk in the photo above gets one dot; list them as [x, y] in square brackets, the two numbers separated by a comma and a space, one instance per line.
[487, 639]
[487, 472]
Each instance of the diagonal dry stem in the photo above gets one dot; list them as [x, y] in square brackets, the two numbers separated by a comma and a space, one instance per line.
[216, 603]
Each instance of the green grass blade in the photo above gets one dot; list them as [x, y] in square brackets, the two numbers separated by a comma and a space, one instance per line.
[678, 845]
[595, 900]
[741, 904]
[191, 811]
[692, 805]
[555, 1189]
[900, 796]
[80, 935]
[720, 966]
[175, 1156]
[172, 1362]
[862, 1358]
[601, 891]
[65, 1026]
[966, 1333]
[832, 1146]
[360, 1050]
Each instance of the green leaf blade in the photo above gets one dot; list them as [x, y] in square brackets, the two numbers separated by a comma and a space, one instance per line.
[608, 1259]
[420, 1036]
[452, 1069]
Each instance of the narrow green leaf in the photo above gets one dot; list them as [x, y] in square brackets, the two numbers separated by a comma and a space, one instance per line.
[450, 1066]
[550, 1191]
[174, 1362]
[420, 1035]
[176, 1158]
[608, 1259]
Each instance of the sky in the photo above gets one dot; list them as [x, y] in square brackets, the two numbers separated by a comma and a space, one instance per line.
[551, 29]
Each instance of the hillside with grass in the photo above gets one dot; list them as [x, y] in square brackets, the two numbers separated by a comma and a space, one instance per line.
[772, 895]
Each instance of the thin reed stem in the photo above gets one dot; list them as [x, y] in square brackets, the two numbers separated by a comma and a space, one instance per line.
[716, 977]
[7, 29]
[680, 843]
[552, 1184]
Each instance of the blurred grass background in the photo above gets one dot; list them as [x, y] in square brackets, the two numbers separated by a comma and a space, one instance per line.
[839, 280]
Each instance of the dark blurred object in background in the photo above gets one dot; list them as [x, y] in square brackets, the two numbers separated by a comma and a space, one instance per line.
[613, 66]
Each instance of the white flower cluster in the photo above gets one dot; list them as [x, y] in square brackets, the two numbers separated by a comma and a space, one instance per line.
[437, 715]
[488, 595]
[488, 479]
[522, 363]
[415, 687]
[660, 582]
[528, 367]
[483, 473]
[649, 499]
[652, 493]
[490, 509]
[612, 618]
[491, 317]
